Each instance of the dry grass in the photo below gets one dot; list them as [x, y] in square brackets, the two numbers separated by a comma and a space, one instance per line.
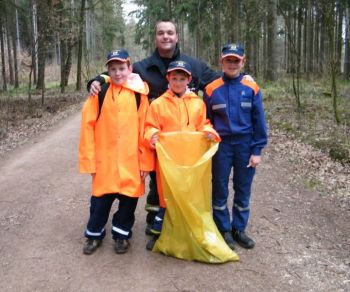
[315, 123]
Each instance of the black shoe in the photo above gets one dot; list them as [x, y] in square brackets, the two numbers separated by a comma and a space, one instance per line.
[121, 246]
[242, 239]
[228, 239]
[150, 244]
[91, 245]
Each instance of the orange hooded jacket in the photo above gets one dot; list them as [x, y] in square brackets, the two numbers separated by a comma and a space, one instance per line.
[169, 113]
[113, 146]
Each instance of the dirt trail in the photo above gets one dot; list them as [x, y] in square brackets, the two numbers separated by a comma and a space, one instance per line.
[302, 238]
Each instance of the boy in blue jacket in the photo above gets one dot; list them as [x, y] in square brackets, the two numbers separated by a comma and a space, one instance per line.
[235, 108]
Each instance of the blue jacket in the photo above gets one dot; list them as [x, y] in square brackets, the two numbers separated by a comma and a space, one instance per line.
[235, 108]
[153, 70]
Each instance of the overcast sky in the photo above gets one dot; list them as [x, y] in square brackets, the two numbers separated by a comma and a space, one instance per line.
[128, 7]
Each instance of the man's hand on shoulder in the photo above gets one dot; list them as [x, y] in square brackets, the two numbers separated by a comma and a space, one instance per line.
[248, 78]
[95, 88]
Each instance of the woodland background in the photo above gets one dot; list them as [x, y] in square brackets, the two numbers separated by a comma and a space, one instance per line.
[298, 51]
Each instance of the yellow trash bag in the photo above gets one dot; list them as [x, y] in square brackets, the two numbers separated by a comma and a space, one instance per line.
[189, 231]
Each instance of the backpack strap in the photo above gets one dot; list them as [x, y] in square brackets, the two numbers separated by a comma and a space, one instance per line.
[138, 99]
[101, 97]
[102, 94]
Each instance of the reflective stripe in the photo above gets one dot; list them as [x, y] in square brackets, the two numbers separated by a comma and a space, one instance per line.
[158, 218]
[94, 233]
[153, 208]
[218, 106]
[246, 104]
[156, 232]
[121, 231]
[222, 208]
[239, 208]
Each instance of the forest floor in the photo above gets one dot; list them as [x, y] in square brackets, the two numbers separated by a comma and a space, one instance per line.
[300, 220]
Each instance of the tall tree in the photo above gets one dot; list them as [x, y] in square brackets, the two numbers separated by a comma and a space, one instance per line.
[2, 51]
[271, 73]
[80, 43]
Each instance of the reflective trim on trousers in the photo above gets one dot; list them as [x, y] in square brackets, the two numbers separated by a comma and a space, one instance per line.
[151, 208]
[94, 233]
[120, 231]
[158, 218]
[240, 209]
[222, 208]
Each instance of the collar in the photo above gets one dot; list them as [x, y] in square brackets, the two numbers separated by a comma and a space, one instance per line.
[232, 80]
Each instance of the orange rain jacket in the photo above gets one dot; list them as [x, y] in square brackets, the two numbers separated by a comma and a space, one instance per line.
[169, 113]
[113, 146]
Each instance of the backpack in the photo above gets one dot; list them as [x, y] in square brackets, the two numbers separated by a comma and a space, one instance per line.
[101, 97]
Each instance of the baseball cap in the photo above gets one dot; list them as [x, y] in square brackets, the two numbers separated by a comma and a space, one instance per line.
[235, 49]
[118, 55]
[180, 65]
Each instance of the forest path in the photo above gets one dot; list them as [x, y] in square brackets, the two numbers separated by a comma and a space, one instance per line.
[302, 237]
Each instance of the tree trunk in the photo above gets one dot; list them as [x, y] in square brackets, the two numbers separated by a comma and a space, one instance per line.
[347, 44]
[271, 73]
[217, 35]
[43, 23]
[2, 48]
[34, 40]
[9, 54]
[309, 40]
[15, 47]
[18, 46]
[80, 43]
[339, 36]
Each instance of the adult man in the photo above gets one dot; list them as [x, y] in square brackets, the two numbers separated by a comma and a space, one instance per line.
[153, 70]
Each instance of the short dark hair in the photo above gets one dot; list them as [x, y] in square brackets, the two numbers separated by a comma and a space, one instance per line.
[165, 20]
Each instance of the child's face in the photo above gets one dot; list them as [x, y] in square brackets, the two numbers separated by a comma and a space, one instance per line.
[232, 66]
[119, 71]
[178, 81]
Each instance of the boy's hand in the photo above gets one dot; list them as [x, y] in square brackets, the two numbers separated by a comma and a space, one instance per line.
[254, 161]
[143, 174]
[95, 87]
[154, 140]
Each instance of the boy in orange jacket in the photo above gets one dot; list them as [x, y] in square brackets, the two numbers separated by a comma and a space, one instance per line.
[178, 109]
[113, 151]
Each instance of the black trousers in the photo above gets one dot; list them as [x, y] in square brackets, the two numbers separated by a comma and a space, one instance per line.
[152, 198]
[123, 218]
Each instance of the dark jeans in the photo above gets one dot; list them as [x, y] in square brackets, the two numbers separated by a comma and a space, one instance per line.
[123, 218]
[232, 154]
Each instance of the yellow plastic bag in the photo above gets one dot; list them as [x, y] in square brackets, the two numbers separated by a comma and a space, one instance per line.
[189, 231]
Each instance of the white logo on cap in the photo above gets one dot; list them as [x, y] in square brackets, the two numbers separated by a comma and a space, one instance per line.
[180, 64]
[233, 47]
[116, 52]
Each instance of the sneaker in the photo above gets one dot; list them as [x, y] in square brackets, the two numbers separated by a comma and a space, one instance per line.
[150, 244]
[91, 245]
[228, 239]
[243, 239]
[121, 246]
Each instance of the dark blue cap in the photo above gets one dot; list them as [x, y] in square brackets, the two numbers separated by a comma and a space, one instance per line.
[180, 65]
[119, 55]
[236, 50]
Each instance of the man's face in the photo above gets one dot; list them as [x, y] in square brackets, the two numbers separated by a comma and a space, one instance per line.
[119, 71]
[166, 36]
[232, 66]
[178, 81]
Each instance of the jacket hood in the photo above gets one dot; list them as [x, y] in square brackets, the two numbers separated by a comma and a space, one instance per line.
[135, 83]
[187, 94]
